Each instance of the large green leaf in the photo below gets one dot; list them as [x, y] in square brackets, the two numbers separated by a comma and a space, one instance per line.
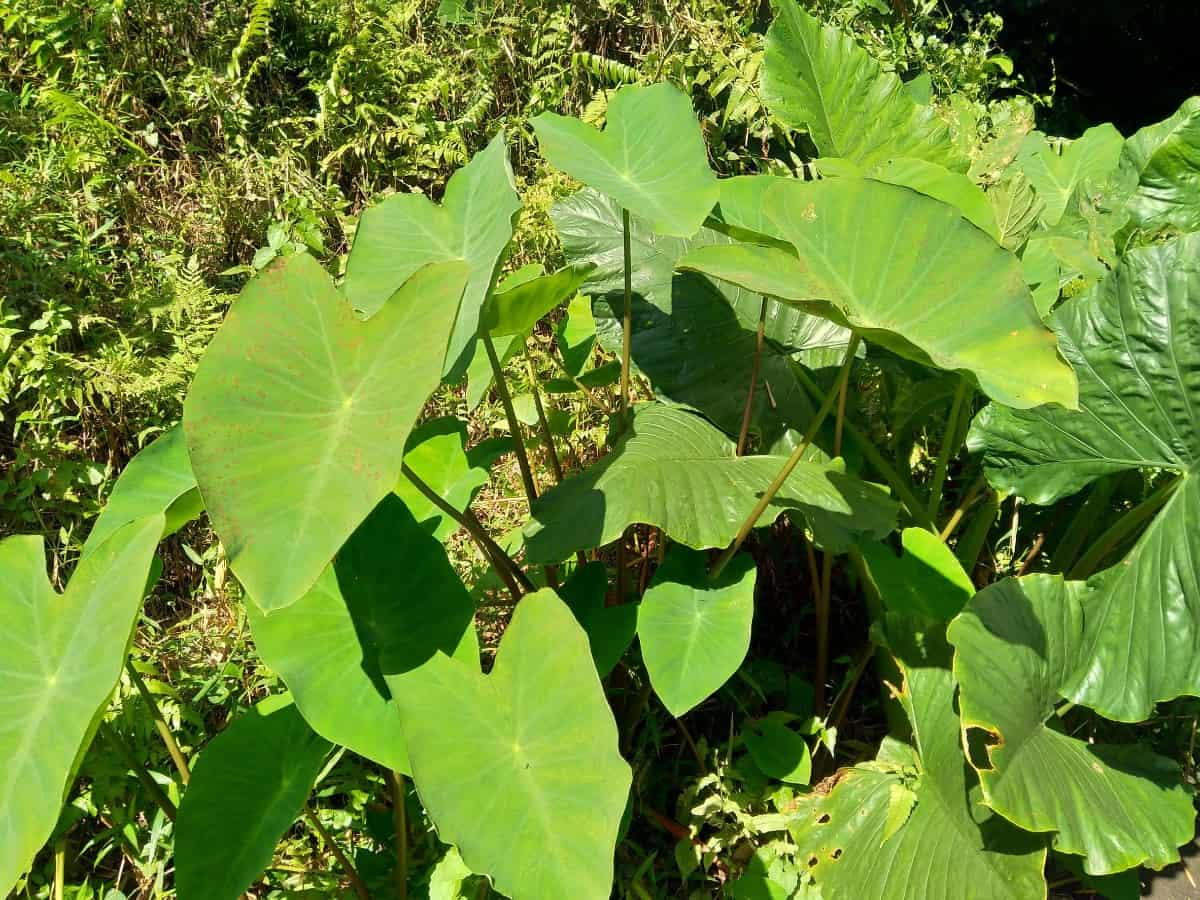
[650, 158]
[437, 455]
[946, 295]
[158, 480]
[673, 469]
[62, 656]
[816, 77]
[1016, 646]
[297, 417]
[926, 580]
[247, 788]
[1135, 342]
[404, 232]
[695, 631]
[1057, 170]
[1166, 158]
[908, 826]
[389, 601]
[520, 768]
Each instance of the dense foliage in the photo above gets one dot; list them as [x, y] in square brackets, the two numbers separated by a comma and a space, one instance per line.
[854, 372]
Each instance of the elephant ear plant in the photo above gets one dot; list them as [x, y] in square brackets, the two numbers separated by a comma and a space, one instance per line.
[856, 366]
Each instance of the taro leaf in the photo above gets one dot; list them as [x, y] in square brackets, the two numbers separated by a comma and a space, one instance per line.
[948, 847]
[778, 751]
[530, 750]
[436, 453]
[946, 295]
[516, 310]
[298, 414]
[247, 788]
[650, 158]
[404, 232]
[480, 374]
[674, 470]
[1055, 171]
[158, 480]
[927, 580]
[1166, 159]
[1135, 342]
[610, 629]
[1016, 646]
[694, 631]
[691, 337]
[818, 78]
[576, 333]
[62, 656]
[389, 601]
[1016, 209]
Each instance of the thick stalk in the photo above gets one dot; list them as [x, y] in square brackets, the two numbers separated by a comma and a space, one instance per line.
[1121, 529]
[961, 509]
[758, 346]
[792, 461]
[826, 595]
[400, 825]
[161, 800]
[626, 319]
[60, 869]
[514, 424]
[543, 422]
[356, 881]
[160, 723]
[504, 565]
[949, 447]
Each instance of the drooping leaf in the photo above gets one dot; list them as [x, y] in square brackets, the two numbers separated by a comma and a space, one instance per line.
[946, 295]
[1166, 158]
[405, 232]
[436, 453]
[1017, 645]
[694, 630]
[551, 786]
[298, 414]
[927, 580]
[1056, 170]
[247, 788]
[158, 480]
[948, 846]
[387, 603]
[650, 158]
[674, 470]
[817, 78]
[610, 629]
[63, 655]
[516, 310]
[1135, 342]
[778, 751]
[1016, 209]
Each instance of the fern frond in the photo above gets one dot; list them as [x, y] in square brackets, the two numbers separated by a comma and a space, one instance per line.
[610, 71]
[257, 29]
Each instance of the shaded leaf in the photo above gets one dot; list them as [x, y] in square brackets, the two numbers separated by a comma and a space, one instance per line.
[926, 581]
[778, 751]
[610, 629]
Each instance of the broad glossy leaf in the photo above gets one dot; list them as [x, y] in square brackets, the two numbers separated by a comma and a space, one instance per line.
[610, 629]
[927, 580]
[298, 414]
[63, 655]
[650, 158]
[404, 232]
[946, 295]
[389, 601]
[249, 785]
[1017, 644]
[674, 470]
[948, 847]
[1166, 158]
[530, 750]
[516, 310]
[158, 480]
[694, 630]
[818, 78]
[437, 454]
[1057, 170]
[1135, 342]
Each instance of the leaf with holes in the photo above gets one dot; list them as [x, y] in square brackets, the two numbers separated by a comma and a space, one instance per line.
[1057, 170]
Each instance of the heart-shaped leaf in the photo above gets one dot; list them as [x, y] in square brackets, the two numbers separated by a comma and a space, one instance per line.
[366, 618]
[674, 470]
[1135, 342]
[1055, 171]
[650, 157]
[694, 630]
[1166, 158]
[610, 629]
[1016, 646]
[297, 417]
[404, 232]
[530, 750]
[62, 657]
[247, 788]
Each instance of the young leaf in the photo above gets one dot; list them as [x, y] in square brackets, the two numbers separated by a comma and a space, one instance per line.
[404, 232]
[926, 581]
[576, 335]
[674, 470]
[1055, 176]
[297, 417]
[249, 785]
[62, 657]
[516, 310]
[610, 629]
[778, 751]
[1166, 158]
[1016, 209]
[366, 618]
[1135, 342]
[436, 452]
[695, 631]
[1016, 646]
[650, 158]
[529, 751]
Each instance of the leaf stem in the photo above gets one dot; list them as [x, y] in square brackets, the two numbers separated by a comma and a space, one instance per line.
[547, 435]
[356, 881]
[824, 598]
[757, 361]
[949, 448]
[161, 800]
[769, 494]
[160, 723]
[961, 510]
[60, 868]
[400, 825]
[514, 424]
[627, 318]
[1122, 528]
